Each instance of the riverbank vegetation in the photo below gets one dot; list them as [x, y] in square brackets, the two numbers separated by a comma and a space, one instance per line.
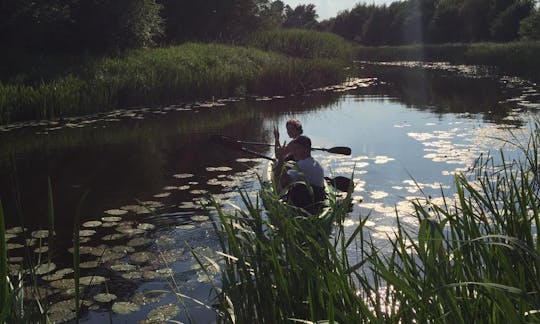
[159, 76]
[514, 57]
[473, 257]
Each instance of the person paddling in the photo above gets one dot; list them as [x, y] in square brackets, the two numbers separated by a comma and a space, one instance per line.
[294, 129]
[305, 180]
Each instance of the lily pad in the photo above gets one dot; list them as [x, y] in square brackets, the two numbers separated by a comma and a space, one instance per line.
[109, 224]
[122, 249]
[92, 250]
[185, 187]
[92, 280]
[85, 233]
[89, 264]
[30, 241]
[146, 226]
[14, 269]
[124, 308]
[41, 249]
[183, 175]
[123, 267]
[165, 240]
[116, 212]
[130, 230]
[199, 218]
[59, 274]
[150, 275]
[15, 230]
[63, 284]
[44, 268]
[111, 219]
[139, 241]
[171, 256]
[218, 169]
[142, 257]
[92, 224]
[111, 255]
[162, 195]
[32, 293]
[163, 313]
[132, 275]
[15, 259]
[41, 234]
[113, 237]
[165, 272]
[62, 311]
[186, 227]
[153, 204]
[137, 209]
[104, 298]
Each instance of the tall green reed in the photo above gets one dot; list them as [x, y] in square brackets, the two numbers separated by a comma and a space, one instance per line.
[475, 257]
[283, 265]
[303, 43]
[161, 76]
[5, 300]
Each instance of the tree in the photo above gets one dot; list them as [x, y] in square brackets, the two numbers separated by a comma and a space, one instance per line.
[34, 26]
[303, 16]
[506, 25]
[530, 27]
[376, 30]
[104, 25]
[474, 20]
[445, 24]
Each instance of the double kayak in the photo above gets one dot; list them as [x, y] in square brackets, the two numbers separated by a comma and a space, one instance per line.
[311, 200]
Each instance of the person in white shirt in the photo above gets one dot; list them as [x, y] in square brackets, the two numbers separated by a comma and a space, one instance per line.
[305, 179]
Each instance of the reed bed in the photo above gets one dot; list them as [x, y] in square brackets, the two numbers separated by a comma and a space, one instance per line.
[514, 57]
[22, 299]
[473, 258]
[303, 43]
[160, 76]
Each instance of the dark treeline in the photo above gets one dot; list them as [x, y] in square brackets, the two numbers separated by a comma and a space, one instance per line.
[437, 21]
[97, 26]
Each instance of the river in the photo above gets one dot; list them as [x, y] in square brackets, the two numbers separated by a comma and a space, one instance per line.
[410, 126]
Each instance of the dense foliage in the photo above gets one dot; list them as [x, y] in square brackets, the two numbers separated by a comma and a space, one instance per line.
[113, 25]
[437, 21]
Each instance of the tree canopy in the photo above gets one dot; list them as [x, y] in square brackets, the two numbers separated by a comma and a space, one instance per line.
[95, 26]
[436, 21]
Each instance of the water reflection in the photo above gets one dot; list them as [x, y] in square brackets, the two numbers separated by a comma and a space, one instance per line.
[422, 123]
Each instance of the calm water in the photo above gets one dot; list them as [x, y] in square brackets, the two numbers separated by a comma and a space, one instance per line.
[402, 123]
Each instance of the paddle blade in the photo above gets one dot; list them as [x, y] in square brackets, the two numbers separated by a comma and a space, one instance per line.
[340, 150]
[341, 183]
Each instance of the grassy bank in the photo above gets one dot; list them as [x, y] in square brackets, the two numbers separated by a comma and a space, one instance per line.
[156, 76]
[303, 43]
[516, 57]
[472, 258]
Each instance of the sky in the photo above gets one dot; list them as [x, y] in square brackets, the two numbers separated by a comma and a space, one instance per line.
[329, 8]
